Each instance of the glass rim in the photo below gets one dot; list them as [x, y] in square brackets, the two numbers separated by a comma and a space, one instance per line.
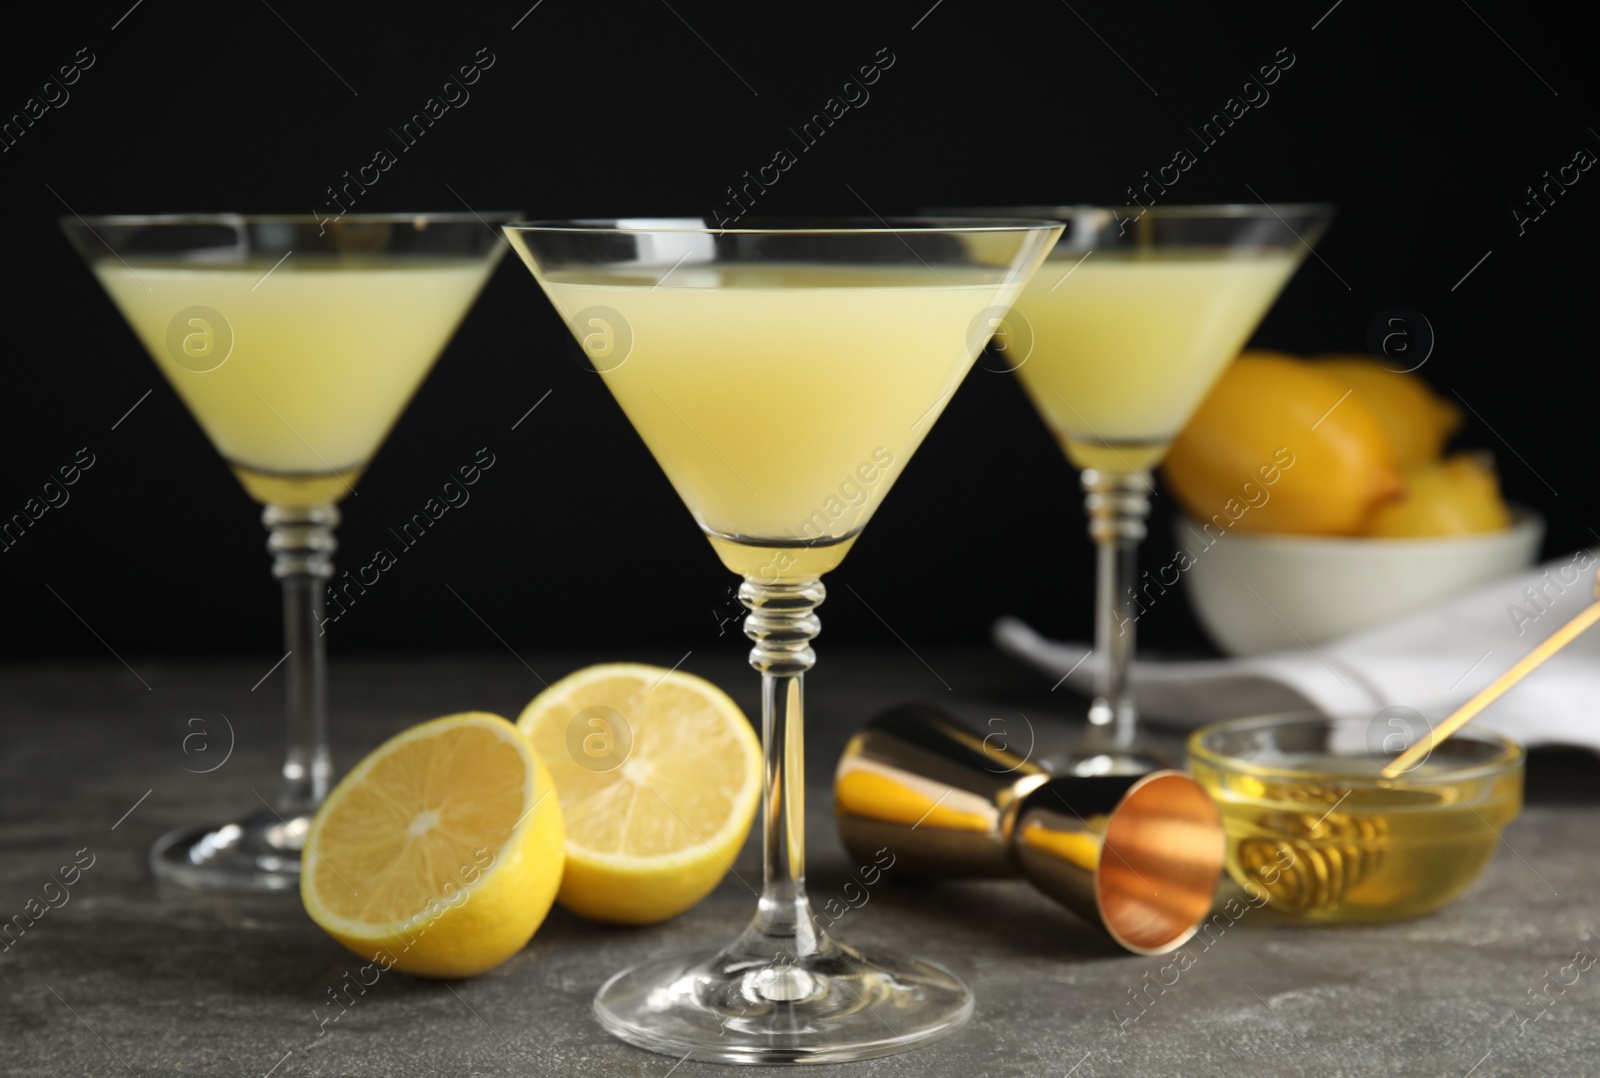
[1508, 754]
[443, 217]
[844, 226]
[1217, 209]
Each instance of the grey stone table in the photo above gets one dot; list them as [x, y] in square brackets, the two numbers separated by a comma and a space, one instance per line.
[125, 976]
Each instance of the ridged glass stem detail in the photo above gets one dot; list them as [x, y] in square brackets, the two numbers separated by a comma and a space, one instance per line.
[1118, 504]
[781, 623]
[302, 544]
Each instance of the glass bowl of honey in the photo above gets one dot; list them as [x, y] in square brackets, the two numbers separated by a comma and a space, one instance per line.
[1316, 832]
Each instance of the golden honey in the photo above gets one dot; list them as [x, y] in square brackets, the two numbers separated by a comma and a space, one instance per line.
[1327, 839]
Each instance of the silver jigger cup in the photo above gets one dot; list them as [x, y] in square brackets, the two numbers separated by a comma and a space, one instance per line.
[1138, 855]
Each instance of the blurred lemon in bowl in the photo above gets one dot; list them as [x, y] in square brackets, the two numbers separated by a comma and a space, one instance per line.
[1457, 496]
[1417, 421]
[1292, 444]
[1318, 499]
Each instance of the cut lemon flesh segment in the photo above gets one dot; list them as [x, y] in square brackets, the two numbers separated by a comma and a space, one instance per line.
[659, 775]
[441, 852]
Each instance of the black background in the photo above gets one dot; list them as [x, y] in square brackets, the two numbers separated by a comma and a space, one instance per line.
[1421, 121]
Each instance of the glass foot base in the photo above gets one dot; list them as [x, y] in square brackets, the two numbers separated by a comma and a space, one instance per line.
[1135, 761]
[831, 1007]
[260, 852]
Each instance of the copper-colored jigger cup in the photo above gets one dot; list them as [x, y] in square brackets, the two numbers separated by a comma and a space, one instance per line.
[1138, 855]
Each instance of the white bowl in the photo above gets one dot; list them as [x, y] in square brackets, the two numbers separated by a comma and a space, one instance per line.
[1308, 589]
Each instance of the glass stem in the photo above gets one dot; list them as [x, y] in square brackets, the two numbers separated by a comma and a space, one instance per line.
[302, 544]
[782, 622]
[1118, 504]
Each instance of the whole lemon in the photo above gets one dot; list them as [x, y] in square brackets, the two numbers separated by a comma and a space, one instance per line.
[1458, 496]
[1417, 421]
[1280, 446]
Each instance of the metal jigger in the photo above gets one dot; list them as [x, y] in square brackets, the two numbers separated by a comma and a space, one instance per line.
[1138, 855]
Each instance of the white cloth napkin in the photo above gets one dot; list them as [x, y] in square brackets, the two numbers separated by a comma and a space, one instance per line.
[1432, 661]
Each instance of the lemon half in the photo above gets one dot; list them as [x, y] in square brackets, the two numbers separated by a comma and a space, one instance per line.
[441, 852]
[659, 775]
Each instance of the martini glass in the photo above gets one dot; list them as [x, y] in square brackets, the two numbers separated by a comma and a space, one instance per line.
[295, 343]
[782, 377]
[1132, 319]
